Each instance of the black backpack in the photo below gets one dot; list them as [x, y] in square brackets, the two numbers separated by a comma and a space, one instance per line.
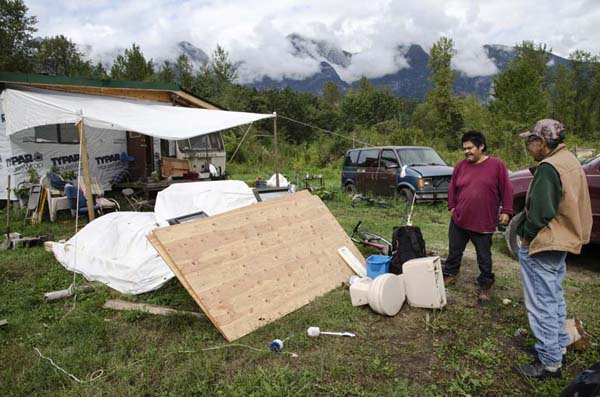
[407, 244]
[585, 384]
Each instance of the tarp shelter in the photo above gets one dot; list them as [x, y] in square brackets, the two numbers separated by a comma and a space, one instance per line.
[25, 108]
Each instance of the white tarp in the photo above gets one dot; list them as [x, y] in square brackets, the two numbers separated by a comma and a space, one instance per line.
[272, 182]
[20, 153]
[211, 197]
[31, 108]
[113, 248]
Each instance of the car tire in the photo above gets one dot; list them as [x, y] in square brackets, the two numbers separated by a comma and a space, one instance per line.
[350, 189]
[513, 241]
[405, 195]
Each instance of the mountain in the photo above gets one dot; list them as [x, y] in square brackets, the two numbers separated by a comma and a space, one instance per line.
[320, 50]
[196, 56]
[410, 82]
[313, 84]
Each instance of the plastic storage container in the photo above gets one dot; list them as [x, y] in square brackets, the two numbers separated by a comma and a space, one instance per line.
[378, 264]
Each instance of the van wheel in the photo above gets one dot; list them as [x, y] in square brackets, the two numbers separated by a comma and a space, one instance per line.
[405, 195]
[350, 189]
[513, 241]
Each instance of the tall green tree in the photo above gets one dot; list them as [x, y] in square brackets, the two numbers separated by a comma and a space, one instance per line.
[521, 93]
[440, 101]
[98, 72]
[594, 132]
[16, 30]
[563, 97]
[184, 72]
[166, 73]
[582, 76]
[331, 94]
[132, 66]
[367, 105]
[222, 68]
[59, 56]
[220, 71]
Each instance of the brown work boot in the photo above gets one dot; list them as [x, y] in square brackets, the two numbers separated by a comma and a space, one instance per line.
[484, 294]
[449, 279]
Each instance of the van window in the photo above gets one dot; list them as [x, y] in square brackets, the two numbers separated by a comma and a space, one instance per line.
[351, 158]
[368, 158]
[420, 156]
[388, 158]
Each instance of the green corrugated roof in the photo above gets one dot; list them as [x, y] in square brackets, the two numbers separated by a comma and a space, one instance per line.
[12, 77]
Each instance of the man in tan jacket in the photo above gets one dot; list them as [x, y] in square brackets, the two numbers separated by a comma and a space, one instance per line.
[558, 221]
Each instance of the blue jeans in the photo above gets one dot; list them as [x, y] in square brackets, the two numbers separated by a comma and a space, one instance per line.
[543, 274]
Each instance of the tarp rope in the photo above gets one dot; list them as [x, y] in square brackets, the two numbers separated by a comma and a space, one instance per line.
[73, 287]
[241, 141]
[324, 130]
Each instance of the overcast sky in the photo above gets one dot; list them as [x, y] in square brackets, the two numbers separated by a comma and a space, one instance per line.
[254, 31]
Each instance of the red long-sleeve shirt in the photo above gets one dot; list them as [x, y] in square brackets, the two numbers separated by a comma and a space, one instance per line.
[476, 192]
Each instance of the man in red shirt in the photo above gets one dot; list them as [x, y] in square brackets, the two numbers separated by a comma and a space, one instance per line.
[478, 189]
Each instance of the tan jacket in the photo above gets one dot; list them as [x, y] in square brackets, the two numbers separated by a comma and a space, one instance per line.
[571, 227]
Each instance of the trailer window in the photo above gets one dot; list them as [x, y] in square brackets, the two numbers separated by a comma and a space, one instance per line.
[56, 133]
[204, 142]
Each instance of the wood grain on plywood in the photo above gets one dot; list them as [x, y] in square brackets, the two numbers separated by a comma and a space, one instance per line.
[255, 264]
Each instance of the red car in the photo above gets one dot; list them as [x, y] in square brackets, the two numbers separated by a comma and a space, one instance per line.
[520, 181]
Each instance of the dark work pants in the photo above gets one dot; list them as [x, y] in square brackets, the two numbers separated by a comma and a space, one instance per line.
[458, 239]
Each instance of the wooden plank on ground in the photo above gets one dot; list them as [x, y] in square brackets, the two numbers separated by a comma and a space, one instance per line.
[48, 245]
[250, 266]
[116, 304]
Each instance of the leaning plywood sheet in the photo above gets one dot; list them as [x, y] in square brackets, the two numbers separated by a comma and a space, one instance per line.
[253, 265]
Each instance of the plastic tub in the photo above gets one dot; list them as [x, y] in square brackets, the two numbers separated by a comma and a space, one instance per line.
[378, 264]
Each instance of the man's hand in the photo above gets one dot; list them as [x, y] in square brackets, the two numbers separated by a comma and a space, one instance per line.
[524, 243]
[504, 219]
[451, 210]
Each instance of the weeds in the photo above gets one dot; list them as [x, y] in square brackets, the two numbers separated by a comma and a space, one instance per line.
[462, 350]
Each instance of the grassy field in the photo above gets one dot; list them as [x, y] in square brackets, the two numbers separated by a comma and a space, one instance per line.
[465, 349]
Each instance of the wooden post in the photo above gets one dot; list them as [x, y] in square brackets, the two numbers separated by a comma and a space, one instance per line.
[86, 172]
[276, 149]
[8, 209]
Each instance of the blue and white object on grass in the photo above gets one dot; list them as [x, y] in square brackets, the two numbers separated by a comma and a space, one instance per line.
[276, 345]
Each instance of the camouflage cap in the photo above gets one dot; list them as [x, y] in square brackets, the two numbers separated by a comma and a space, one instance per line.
[546, 128]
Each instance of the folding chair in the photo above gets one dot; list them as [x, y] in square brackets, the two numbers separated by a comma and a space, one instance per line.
[136, 203]
[102, 202]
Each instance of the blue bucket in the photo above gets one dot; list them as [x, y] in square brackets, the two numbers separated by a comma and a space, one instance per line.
[378, 264]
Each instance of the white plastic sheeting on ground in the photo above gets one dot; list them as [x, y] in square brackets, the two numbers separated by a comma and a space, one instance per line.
[211, 197]
[272, 182]
[27, 108]
[113, 250]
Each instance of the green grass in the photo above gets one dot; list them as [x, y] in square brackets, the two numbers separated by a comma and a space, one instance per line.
[463, 350]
